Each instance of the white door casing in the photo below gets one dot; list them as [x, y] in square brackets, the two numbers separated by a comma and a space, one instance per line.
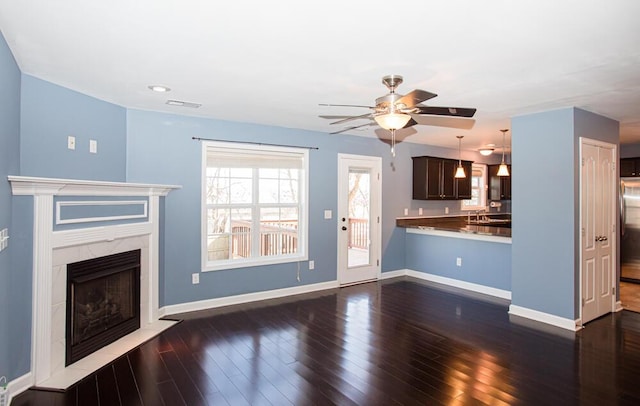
[598, 194]
[369, 268]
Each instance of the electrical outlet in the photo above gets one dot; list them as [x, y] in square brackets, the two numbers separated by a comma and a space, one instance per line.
[71, 142]
[446, 210]
[93, 146]
[458, 261]
[195, 278]
[312, 265]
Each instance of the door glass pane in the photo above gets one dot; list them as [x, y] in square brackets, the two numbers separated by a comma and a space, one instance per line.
[359, 214]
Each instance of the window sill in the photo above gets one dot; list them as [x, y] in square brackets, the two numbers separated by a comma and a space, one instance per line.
[253, 263]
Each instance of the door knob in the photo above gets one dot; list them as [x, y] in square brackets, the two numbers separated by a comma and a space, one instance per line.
[344, 228]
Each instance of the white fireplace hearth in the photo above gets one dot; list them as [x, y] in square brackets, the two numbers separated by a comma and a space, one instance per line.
[55, 244]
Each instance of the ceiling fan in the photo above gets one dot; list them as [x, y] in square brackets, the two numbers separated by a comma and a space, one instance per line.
[394, 111]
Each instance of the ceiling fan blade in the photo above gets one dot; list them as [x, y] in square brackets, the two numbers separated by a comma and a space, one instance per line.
[414, 97]
[411, 123]
[345, 105]
[446, 111]
[344, 120]
[334, 117]
[444, 121]
[351, 128]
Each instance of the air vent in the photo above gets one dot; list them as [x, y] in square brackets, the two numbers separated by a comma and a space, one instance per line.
[183, 104]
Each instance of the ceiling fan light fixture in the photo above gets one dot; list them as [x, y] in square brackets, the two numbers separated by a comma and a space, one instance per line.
[392, 121]
[486, 151]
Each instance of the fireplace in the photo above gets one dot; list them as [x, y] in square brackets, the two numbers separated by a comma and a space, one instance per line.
[103, 302]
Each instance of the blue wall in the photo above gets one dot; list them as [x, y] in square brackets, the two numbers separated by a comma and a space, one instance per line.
[9, 165]
[545, 196]
[483, 262]
[160, 149]
[50, 113]
[630, 150]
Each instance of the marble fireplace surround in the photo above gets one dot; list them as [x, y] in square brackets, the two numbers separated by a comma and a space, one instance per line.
[54, 249]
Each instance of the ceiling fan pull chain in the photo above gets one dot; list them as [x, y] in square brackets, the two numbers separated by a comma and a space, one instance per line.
[393, 143]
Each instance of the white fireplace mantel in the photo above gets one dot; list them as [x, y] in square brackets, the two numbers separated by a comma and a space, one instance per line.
[31, 186]
[47, 240]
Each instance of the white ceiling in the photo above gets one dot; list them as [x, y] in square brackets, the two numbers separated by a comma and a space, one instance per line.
[273, 62]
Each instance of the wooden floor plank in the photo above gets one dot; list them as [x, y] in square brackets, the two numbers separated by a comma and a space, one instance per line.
[397, 342]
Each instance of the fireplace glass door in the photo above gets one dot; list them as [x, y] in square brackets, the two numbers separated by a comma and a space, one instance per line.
[103, 302]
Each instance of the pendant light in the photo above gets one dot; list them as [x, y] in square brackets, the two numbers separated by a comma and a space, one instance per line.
[460, 171]
[503, 170]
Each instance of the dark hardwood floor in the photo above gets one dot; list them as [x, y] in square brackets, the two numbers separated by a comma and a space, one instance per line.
[385, 343]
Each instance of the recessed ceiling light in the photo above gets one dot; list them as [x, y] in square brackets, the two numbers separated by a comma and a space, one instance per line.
[159, 88]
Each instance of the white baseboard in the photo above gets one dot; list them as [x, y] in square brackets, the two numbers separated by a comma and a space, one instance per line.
[618, 306]
[567, 324]
[393, 274]
[474, 287]
[19, 385]
[245, 298]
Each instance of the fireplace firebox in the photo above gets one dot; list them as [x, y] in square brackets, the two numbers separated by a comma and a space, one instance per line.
[103, 302]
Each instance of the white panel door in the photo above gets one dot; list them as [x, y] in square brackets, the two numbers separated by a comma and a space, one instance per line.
[359, 211]
[598, 196]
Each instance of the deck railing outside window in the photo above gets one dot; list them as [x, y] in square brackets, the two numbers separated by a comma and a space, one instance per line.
[281, 237]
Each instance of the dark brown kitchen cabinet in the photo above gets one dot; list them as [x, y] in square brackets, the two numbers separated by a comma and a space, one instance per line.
[499, 186]
[433, 179]
[629, 167]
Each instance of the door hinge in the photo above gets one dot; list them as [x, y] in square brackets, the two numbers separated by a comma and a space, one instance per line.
[613, 290]
[378, 219]
[377, 262]
[582, 161]
[378, 175]
[583, 302]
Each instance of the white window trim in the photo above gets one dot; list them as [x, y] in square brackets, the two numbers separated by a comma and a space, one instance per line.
[483, 190]
[303, 221]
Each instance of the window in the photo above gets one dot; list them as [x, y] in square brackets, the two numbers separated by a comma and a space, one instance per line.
[478, 199]
[254, 205]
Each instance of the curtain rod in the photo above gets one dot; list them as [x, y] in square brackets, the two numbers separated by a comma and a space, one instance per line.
[254, 143]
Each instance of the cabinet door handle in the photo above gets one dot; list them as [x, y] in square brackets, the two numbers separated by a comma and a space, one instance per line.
[344, 228]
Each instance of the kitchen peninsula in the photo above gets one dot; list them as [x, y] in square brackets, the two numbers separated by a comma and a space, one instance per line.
[469, 252]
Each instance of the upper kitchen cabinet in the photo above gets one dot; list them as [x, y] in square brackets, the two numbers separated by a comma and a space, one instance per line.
[629, 167]
[433, 179]
[499, 186]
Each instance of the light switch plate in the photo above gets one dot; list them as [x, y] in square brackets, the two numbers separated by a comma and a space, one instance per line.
[71, 142]
[195, 278]
[312, 265]
[327, 214]
[93, 146]
[4, 238]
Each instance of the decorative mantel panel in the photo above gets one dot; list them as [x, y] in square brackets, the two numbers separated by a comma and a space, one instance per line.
[105, 231]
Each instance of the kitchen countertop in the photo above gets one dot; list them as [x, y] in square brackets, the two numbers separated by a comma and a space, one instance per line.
[459, 224]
